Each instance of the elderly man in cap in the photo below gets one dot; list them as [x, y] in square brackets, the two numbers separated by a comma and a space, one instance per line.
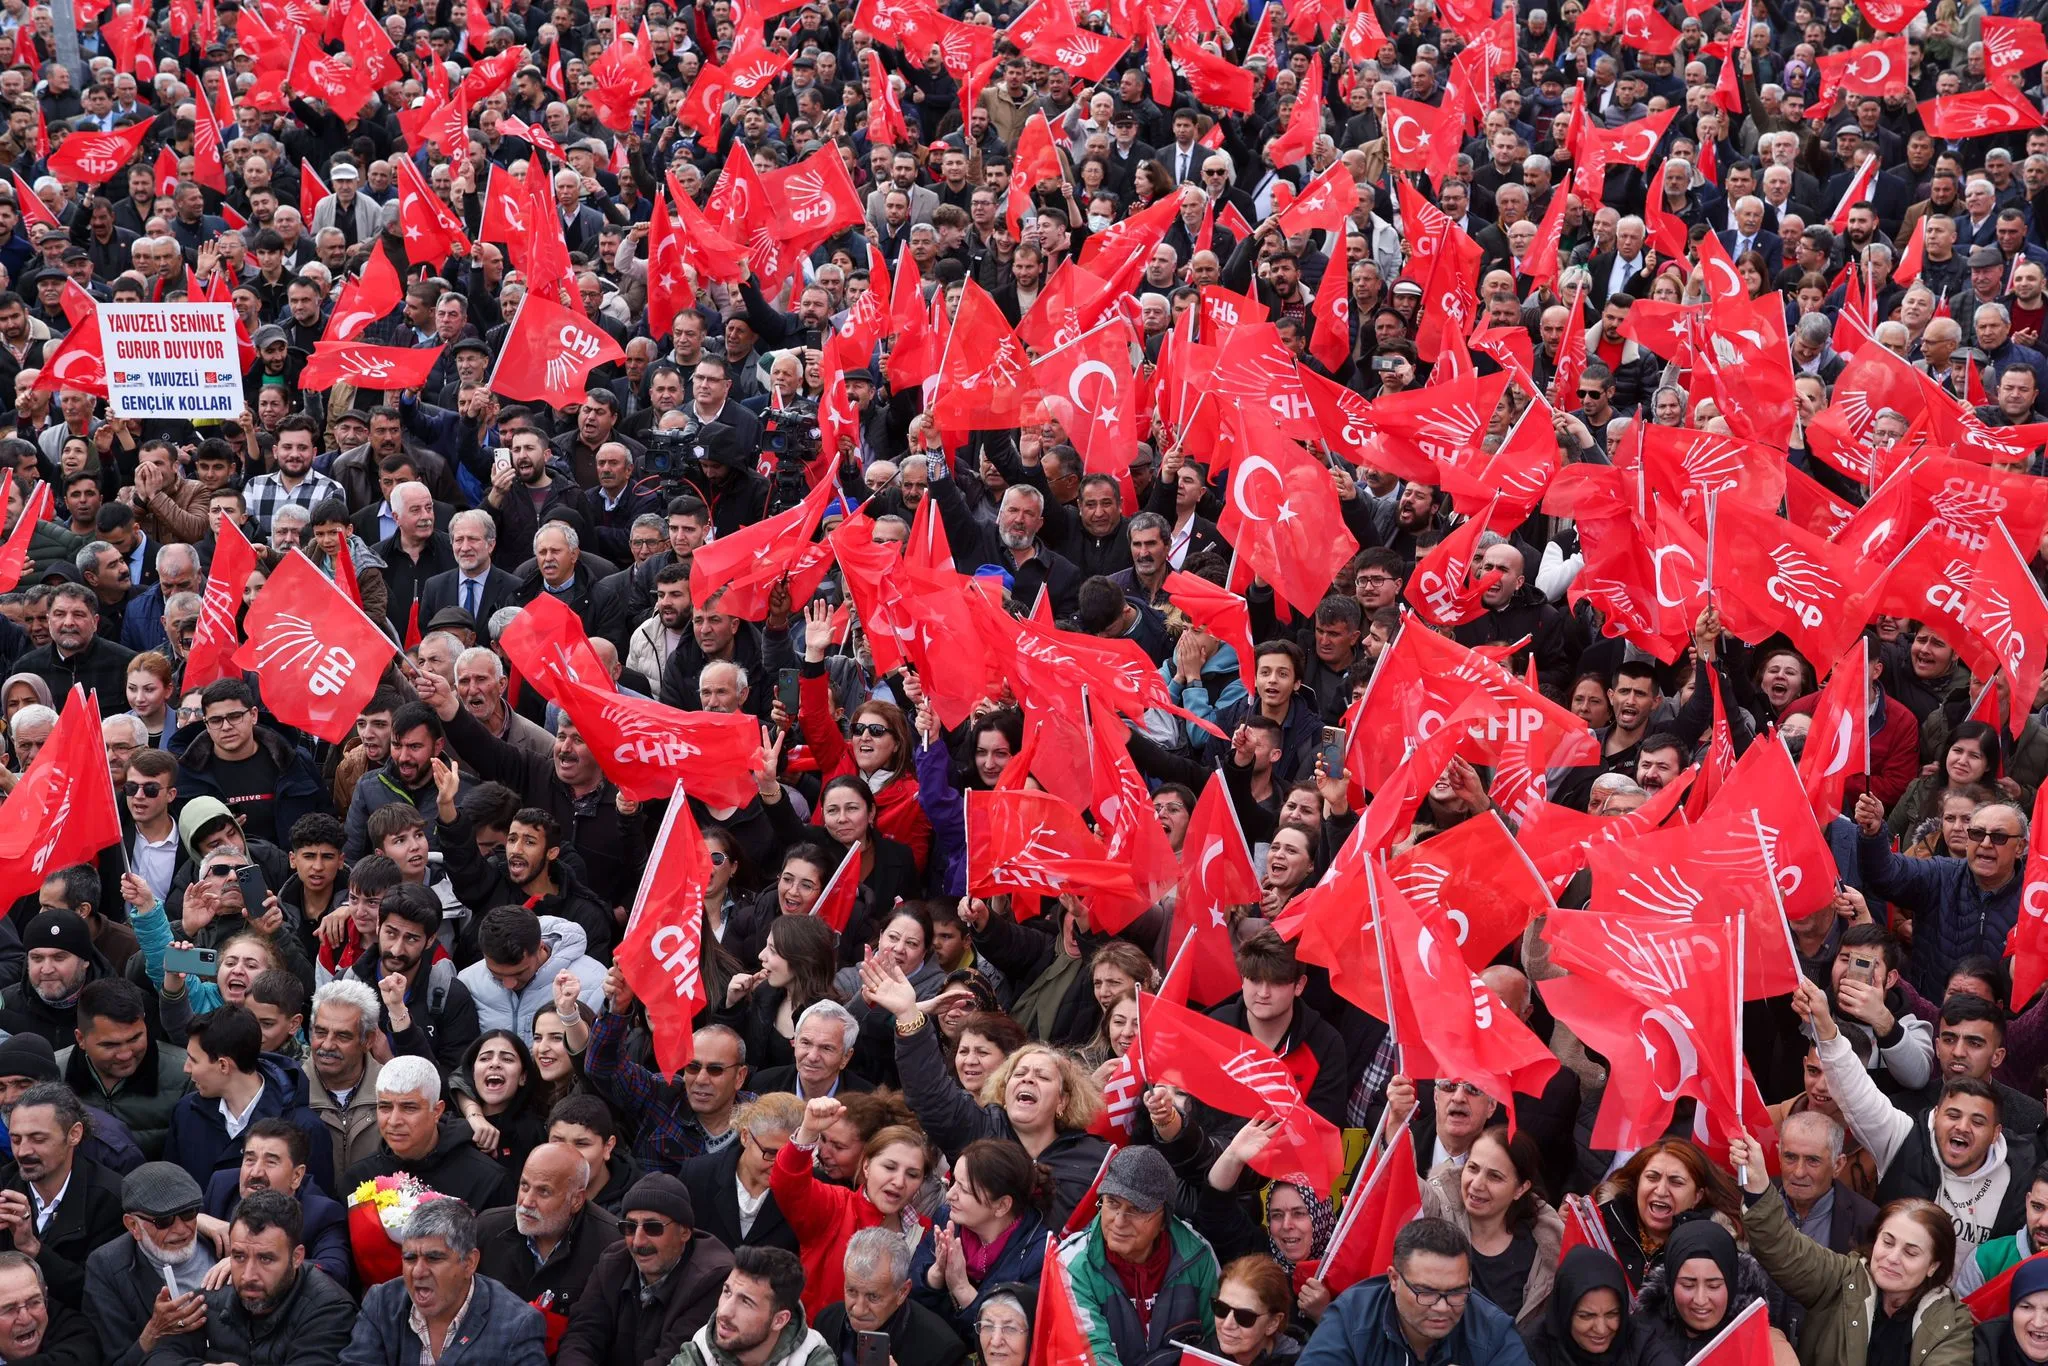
[652, 1291]
[128, 1281]
[1135, 1220]
[355, 214]
[442, 1310]
[274, 1308]
[547, 1243]
[61, 960]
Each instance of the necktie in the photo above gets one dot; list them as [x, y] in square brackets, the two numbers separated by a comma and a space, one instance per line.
[1742, 246]
[469, 597]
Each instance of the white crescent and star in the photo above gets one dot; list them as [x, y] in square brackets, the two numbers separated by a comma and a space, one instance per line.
[1401, 144]
[1081, 372]
[1243, 478]
[1688, 1056]
[1657, 557]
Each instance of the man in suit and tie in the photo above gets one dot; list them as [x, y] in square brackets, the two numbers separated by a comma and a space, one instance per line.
[475, 585]
[1626, 269]
[580, 223]
[716, 1180]
[1749, 233]
[1185, 154]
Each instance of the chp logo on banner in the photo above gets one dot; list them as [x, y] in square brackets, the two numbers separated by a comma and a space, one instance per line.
[316, 655]
[662, 951]
[171, 360]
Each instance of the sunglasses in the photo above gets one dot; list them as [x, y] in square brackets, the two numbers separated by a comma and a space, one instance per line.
[163, 1222]
[718, 857]
[1997, 839]
[653, 1228]
[713, 1070]
[221, 870]
[142, 789]
[1245, 1318]
[873, 730]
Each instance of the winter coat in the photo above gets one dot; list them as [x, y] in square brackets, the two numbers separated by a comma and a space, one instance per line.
[952, 1119]
[824, 1218]
[1841, 1299]
[299, 790]
[88, 1216]
[799, 1345]
[497, 1008]
[917, 1336]
[508, 1259]
[454, 1167]
[68, 1341]
[310, 1328]
[198, 1139]
[1180, 1309]
[1953, 917]
[482, 883]
[145, 1101]
[443, 1015]
[897, 813]
[497, 1330]
[608, 1326]
[1021, 1262]
[1441, 1199]
[121, 1285]
[351, 1131]
[1658, 1315]
[22, 1011]
[322, 1218]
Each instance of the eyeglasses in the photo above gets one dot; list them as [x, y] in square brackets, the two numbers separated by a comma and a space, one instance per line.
[221, 870]
[873, 730]
[714, 1070]
[1429, 1296]
[221, 720]
[188, 713]
[134, 789]
[31, 1305]
[1997, 839]
[164, 1222]
[653, 1228]
[1375, 580]
[1246, 1318]
[1459, 1088]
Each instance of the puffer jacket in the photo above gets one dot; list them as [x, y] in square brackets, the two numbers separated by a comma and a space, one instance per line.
[1841, 1299]
[312, 1325]
[497, 1008]
[823, 1218]
[1953, 917]
[1360, 1329]
[1180, 1309]
[299, 789]
[1441, 1200]
[799, 1345]
[1659, 1315]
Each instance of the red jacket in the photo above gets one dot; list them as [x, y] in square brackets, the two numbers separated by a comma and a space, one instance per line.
[898, 813]
[823, 1218]
[1894, 752]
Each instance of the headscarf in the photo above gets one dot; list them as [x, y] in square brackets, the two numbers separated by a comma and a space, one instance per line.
[1702, 1237]
[2028, 1278]
[1322, 1218]
[1583, 1271]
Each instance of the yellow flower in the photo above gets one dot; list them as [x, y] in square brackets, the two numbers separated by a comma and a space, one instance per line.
[363, 1192]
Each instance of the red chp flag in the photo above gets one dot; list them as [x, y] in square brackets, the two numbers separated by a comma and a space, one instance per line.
[1812, 590]
[368, 367]
[1439, 590]
[317, 657]
[647, 748]
[2007, 612]
[1032, 843]
[1218, 611]
[62, 810]
[1228, 1069]
[2028, 943]
[227, 580]
[95, 158]
[1379, 1206]
[549, 352]
[14, 552]
[662, 953]
[985, 375]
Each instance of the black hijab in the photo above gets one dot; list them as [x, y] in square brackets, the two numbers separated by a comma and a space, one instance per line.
[1583, 1271]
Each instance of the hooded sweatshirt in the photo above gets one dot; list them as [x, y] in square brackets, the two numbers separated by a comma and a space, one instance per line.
[497, 1008]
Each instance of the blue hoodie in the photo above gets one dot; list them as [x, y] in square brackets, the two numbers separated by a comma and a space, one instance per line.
[198, 1140]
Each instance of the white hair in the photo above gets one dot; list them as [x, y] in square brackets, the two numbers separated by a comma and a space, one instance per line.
[351, 994]
[832, 1010]
[479, 519]
[479, 652]
[29, 717]
[568, 534]
[138, 734]
[406, 1074]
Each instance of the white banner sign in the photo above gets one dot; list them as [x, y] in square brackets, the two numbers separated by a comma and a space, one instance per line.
[172, 360]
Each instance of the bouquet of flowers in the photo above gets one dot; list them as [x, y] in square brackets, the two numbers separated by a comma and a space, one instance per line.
[378, 1211]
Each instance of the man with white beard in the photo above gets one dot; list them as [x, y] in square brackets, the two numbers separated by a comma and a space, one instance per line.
[132, 1306]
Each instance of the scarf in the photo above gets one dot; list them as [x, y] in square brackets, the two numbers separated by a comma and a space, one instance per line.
[981, 1256]
[1322, 1217]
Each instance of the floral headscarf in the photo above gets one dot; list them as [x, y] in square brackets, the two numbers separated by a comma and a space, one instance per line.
[1322, 1218]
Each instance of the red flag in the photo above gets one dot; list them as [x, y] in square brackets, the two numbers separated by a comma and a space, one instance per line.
[747, 564]
[814, 198]
[1216, 81]
[662, 951]
[1379, 1206]
[1421, 138]
[2006, 611]
[1218, 611]
[506, 214]
[1858, 190]
[1086, 386]
[703, 247]
[1036, 160]
[836, 899]
[622, 76]
[1158, 71]
[2011, 46]
[34, 211]
[2028, 943]
[1440, 589]
[227, 580]
[549, 352]
[1993, 1299]
[1282, 515]
[432, 231]
[1839, 742]
[364, 299]
[547, 646]
[96, 158]
[1057, 1338]
[62, 811]
[166, 173]
[886, 125]
[984, 376]
[1811, 589]
[315, 654]
[1032, 843]
[209, 146]
[1324, 204]
[1744, 1342]
[1216, 872]
[914, 358]
[1298, 141]
[345, 574]
[647, 748]
[14, 551]
[368, 367]
[1129, 828]
[1330, 342]
[1230, 1070]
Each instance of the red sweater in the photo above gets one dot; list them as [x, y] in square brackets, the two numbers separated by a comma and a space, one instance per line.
[823, 1217]
[1894, 752]
[898, 814]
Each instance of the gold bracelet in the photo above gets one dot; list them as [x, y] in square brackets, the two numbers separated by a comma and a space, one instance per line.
[906, 1028]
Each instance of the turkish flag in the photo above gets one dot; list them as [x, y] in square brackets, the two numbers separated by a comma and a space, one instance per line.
[1084, 386]
[886, 127]
[506, 218]
[1324, 204]
[432, 231]
[1231, 1071]
[75, 363]
[1422, 138]
[368, 367]
[166, 173]
[914, 358]
[1216, 873]
[14, 551]
[747, 564]
[1032, 843]
[61, 812]
[704, 106]
[1282, 515]
[1440, 588]
[96, 158]
[1057, 1338]
[647, 748]
[1858, 190]
[2006, 611]
[1380, 1205]
[662, 952]
[985, 375]
[549, 352]
[1330, 342]
[670, 290]
[1839, 742]
[841, 891]
[1298, 141]
[705, 248]
[227, 580]
[314, 653]
[34, 211]
[1218, 611]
